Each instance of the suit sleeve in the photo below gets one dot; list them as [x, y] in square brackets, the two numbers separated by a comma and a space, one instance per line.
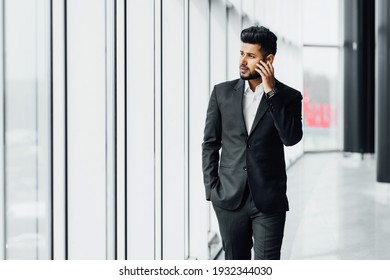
[287, 115]
[211, 145]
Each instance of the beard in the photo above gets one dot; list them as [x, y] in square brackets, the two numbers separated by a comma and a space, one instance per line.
[251, 76]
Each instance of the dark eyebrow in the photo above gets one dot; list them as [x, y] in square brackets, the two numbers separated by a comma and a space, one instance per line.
[248, 53]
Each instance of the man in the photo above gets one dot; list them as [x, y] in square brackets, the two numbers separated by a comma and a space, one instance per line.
[251, 119]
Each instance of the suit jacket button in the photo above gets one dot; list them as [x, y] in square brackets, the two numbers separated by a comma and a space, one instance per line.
[249, 147]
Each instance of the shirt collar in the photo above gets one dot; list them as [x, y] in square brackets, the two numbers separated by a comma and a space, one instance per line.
[247, 89]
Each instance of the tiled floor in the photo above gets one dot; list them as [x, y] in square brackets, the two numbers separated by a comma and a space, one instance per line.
[337, 209]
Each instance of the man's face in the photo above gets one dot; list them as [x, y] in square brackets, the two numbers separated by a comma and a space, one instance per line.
[250, 56]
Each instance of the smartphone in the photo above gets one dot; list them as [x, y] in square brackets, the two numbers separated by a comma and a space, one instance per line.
[267, 61]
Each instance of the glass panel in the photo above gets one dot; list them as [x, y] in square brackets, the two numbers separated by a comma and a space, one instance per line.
[321, 22]
[322, 99]
[27, 129]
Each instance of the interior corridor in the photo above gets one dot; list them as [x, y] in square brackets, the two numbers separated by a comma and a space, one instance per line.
[337, 209]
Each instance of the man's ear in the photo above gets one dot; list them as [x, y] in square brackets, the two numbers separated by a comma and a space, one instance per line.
[270, 58]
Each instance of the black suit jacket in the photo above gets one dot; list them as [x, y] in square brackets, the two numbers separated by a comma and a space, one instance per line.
[256, 158]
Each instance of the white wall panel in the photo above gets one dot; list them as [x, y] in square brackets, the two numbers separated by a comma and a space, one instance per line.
[2, 166]
[218, 40]
[248, 8]
[233, 43]
[158, 231]
[86, 129]
[59, 156]
[198, 100]
[120, 132]
[173, 129]
[140, 129]
[112, 252]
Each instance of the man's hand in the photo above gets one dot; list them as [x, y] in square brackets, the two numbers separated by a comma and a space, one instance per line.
[266, 71]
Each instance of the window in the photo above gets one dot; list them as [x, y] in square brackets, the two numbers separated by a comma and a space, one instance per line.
[27, 129]
[322, 90]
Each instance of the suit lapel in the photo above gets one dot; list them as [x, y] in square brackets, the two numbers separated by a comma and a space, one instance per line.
[263, 106]
[260, 113]
[238, 97]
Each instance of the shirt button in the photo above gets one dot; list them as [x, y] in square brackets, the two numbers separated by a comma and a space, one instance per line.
[244, 168]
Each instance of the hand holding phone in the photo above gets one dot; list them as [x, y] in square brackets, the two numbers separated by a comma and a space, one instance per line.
[266, 71]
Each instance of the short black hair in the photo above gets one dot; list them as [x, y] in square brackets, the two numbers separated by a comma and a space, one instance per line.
[262, 36]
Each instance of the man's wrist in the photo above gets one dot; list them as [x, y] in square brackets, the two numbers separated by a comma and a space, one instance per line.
[271, 93]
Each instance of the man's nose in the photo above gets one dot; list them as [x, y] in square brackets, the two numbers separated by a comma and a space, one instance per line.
[243, 60]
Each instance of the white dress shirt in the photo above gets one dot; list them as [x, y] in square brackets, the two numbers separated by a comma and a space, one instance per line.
[251, 101]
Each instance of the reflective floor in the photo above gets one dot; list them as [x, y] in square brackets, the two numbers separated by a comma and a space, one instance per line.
[337, 209]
